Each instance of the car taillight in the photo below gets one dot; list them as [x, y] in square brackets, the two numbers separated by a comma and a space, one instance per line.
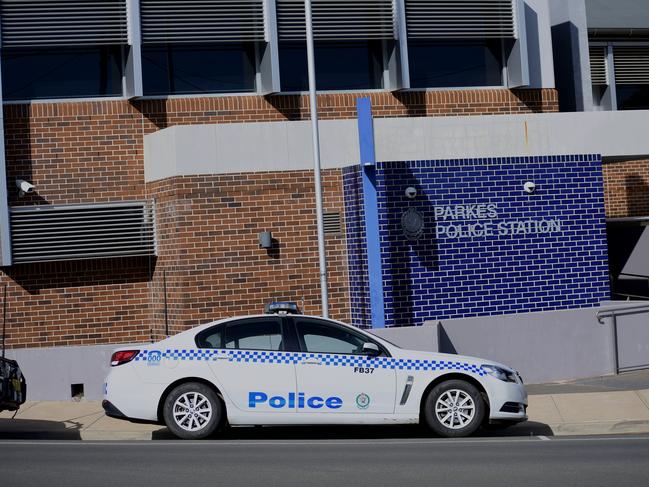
[122, 357]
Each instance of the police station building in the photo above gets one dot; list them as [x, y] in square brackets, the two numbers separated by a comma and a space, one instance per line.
[485, 176]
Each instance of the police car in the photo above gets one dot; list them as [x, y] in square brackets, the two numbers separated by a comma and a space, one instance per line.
[284, 368]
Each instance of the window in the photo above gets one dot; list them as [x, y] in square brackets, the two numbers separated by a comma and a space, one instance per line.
[446, 64]
[633, 97]
[210, 338]
[631, 76]
[318, 337]
[61, 72]
[198, 68]
[351, 65]
[254, 335]
[629, 88]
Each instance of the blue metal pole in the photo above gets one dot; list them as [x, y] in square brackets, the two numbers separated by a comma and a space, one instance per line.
[370, 200]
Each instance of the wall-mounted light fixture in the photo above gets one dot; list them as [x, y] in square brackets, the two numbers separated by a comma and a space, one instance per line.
[265, 240]
[529, 187]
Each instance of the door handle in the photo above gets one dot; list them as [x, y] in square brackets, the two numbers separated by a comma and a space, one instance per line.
[311, 363]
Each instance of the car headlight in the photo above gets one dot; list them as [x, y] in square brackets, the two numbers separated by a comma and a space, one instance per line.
[500, 373]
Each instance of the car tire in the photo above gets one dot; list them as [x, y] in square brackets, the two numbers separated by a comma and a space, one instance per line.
[192, 411]
[454, 409]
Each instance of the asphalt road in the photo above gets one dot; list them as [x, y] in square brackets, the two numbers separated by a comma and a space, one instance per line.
[593, 461]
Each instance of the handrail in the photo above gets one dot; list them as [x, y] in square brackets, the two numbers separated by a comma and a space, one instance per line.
[629, 310]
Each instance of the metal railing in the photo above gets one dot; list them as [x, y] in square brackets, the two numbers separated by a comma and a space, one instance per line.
[613, 313]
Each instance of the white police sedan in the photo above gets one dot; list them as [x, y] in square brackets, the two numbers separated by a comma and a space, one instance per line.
[288, 369]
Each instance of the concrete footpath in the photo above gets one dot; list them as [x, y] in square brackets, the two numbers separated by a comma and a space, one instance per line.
[608, 405]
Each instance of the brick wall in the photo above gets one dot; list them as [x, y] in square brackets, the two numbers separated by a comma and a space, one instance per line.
[82, 152]
[550, 254]
[626, 188]
[78, 303]
[209, 247]
[93, 151]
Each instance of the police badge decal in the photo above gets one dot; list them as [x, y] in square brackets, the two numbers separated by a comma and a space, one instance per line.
[363, 401]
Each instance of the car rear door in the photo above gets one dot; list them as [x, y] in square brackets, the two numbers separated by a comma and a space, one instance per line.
[253, 363]
[333, 376]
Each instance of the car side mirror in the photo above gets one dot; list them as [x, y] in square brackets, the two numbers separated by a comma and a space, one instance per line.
[371, 349]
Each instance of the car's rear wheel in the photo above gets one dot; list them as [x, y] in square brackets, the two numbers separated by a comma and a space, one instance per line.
[192, 411]
[454, 409]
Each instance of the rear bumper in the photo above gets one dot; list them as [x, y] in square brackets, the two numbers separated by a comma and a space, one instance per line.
[111, 410]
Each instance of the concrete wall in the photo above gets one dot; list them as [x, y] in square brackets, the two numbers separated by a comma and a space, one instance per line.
[278, 146]
[617, 14]
[50, 371]
[543, 347]
[571, 55]
[547, 346]
[539, 43]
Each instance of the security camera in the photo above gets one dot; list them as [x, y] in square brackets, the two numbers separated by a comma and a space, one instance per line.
[411, 193]
[24, 186]
[529, 187]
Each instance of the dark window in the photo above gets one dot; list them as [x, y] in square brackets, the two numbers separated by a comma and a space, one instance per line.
[62, 72]
[210, 338]
[632, 97]
[254, 335]
[353, 65]
[435, 64]
[198, 68]
[319, 337]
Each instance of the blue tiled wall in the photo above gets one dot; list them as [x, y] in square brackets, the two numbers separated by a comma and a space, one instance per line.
[442, 275]
[356, 247]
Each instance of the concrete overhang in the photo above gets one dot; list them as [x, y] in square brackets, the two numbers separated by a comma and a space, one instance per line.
[283, 146]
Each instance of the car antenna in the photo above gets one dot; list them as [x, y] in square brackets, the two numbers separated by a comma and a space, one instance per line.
[164, 285]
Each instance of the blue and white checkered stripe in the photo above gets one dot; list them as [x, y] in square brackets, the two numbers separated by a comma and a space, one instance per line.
[268, 357]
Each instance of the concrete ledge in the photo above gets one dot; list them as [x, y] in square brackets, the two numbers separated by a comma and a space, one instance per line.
[284, 146]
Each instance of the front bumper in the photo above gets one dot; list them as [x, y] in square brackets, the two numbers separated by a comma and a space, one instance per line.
[507, 401]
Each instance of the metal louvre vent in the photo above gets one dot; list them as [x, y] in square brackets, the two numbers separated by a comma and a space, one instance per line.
[177, 21]
[332, 223]
[74, 232]
[598, 65]
[631, 65]
[63, 22]
[337, 19]
[460, 19]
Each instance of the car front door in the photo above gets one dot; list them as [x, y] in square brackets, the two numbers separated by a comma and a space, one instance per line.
[333, 374]
[252, 364]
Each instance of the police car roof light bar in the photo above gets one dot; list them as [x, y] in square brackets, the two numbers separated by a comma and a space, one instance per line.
[286, 307]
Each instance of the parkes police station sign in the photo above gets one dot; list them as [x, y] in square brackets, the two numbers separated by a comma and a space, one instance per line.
[459, 221]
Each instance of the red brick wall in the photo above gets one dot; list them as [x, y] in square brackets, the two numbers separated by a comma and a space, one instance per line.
[93, 152]
[208, 228]
[626, 188]
[78, 303]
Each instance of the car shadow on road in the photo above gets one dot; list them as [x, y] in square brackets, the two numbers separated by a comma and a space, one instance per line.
[328, 432]
[36, 429]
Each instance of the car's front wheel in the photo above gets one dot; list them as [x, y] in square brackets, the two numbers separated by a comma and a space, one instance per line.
[192, 411]
[454, 409]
